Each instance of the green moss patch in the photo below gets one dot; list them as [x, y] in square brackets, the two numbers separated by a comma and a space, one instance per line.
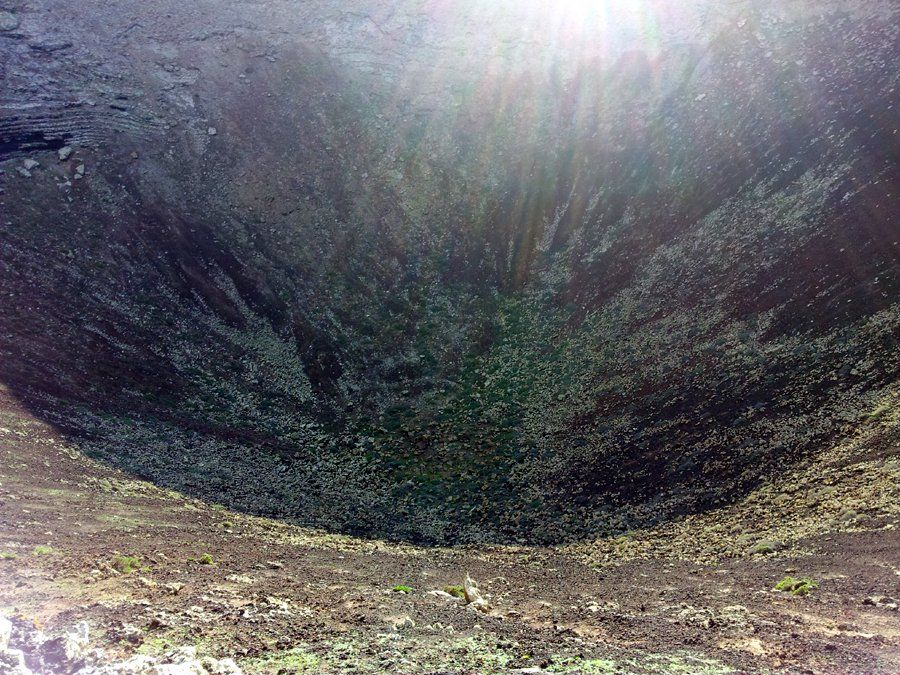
[295, 660]
[796, 586]
[455, 591]
[125, 564]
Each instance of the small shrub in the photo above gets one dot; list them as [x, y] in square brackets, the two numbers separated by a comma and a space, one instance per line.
[879, 412]
[205, 559]
[456, 591]
[41, 549]
[796, 586]
[295, 660]
[125, 564]
[6, 555]
[764, 548]
[402, 589]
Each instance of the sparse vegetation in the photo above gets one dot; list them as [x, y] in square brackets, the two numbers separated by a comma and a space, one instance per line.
[295, 660]
[662, 664]
[125, 564]
[456, 591]
[203, 559]
[765, 548]
[6, 555]
[400, 588]
[880, 411]
[43, 549]
[796, 586]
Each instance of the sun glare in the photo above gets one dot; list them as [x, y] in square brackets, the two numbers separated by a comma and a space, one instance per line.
[605, 24]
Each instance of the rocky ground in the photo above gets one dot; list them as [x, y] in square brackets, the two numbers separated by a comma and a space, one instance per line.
[415, 283]
[151, 572]
[313, 312]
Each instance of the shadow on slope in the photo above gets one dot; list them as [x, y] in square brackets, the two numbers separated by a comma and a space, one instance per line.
[396, 329]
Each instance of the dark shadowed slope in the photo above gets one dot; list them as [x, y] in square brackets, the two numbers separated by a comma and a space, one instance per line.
[315, 264]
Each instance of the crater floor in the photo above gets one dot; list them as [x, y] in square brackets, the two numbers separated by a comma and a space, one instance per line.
[309, 310]
[281, 598]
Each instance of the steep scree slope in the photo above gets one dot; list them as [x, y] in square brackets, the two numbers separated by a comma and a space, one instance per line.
[495, 272]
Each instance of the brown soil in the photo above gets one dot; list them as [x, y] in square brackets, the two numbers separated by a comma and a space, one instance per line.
[279, 598]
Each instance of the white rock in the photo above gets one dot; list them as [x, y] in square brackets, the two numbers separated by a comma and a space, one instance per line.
[76, 641]
[179, 669]
[64, 153]
[443, 594]
[8, 21]
[181, 661]
[404, 623]
[5, 632]
[211, 131]
[222, 667]
[136, 665]
[12, 662]
[474, 599]
[30, 164]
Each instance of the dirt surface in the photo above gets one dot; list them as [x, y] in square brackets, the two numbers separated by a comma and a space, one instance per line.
[279, 598]
[312, 310]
